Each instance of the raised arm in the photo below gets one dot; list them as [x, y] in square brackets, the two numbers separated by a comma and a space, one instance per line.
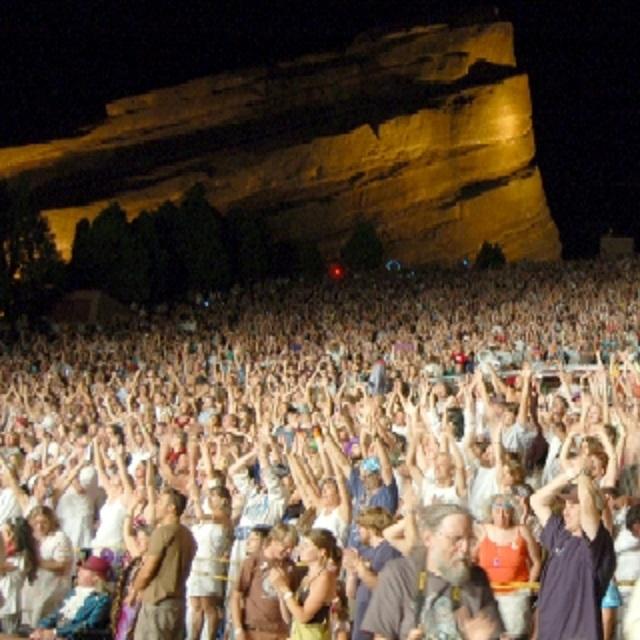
[460, 477]
[340, 460]
[498, 383]
[310, 497]
[125, 478]
[611, 474]
[386, 470]
[128, 535]
[65, 482]
[414, 440]
[344, 510]
[177, 482]
[542, 500]
[242, 462]
[589, 514]
[498, 451]
[523, 409]
[98, 458]
[150, 481]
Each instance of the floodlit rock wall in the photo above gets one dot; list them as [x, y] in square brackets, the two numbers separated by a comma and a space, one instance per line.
[426, 132]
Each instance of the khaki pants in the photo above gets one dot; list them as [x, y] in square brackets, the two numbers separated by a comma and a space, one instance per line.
[162, 621]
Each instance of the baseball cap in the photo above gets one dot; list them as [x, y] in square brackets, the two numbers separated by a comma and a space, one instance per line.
[97, 565]
[569, 493]
[370, 465]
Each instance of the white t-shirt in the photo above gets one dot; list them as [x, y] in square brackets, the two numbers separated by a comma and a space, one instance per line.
[627, 548]
[75, 512]
[517, 439]
[483, 487]
[431, 493]
[9, 506]
[552, 463]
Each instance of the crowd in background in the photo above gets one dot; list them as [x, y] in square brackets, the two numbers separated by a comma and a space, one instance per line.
[310, 425]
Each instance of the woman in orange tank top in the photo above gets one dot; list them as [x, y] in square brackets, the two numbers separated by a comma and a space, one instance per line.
[504, 564]
[508, 553]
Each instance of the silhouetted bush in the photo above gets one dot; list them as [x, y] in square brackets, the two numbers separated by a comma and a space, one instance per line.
[31, 270]
[363, 250]
[490, 256]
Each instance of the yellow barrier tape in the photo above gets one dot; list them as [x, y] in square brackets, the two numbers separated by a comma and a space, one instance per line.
[510, 586]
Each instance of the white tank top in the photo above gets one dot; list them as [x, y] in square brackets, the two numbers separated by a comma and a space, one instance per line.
[332, 521]
[109, 533]
[75, 512]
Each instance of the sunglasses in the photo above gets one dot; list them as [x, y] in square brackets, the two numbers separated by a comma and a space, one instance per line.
[502, 505]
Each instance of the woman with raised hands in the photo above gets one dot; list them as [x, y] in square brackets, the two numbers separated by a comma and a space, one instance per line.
[136, 541]
[141, 492]
[108, 538]
[213, 532]
[330, 498]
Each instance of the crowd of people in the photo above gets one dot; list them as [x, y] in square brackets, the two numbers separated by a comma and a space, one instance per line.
[439, 454]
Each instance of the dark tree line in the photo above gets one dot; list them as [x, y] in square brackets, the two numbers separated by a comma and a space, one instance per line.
[162, 255]
[31, 271]
[177, 249]
[191, 248]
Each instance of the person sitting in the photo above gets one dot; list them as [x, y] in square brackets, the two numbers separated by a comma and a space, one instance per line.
[86, 607]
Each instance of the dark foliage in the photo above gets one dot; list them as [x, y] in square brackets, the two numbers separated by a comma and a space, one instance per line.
[176, 250]
[31, 271]
[363, 251]
[490, 256]
[251, 246]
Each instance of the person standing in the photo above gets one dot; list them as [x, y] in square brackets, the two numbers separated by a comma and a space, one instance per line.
[366, 562]
[258, 610]
[371, 484]
[264, 500]
[55, 560]
[161, 580]
[509, 554]
[309, 608]
[581, 559]
[435, 592]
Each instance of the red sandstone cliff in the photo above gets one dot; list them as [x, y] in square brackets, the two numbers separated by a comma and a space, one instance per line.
[427, 132]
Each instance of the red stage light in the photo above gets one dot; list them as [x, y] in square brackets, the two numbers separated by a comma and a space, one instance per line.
[336, 271]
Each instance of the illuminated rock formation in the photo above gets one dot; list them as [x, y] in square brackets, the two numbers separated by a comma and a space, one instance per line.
[427, 132]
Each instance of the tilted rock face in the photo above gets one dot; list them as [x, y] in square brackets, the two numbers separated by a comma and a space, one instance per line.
[427, 132]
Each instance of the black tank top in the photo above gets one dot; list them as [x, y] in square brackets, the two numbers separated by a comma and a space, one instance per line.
[321, 615]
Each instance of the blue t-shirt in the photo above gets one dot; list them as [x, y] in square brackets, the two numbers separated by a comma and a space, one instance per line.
[377, 557]
[386, 496]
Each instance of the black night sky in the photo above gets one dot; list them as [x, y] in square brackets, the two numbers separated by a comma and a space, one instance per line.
[63, 59]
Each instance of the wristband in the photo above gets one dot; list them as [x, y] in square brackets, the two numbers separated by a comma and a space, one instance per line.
[288, 595]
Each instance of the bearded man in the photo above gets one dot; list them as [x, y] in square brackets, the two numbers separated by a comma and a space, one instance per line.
[436, 592]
